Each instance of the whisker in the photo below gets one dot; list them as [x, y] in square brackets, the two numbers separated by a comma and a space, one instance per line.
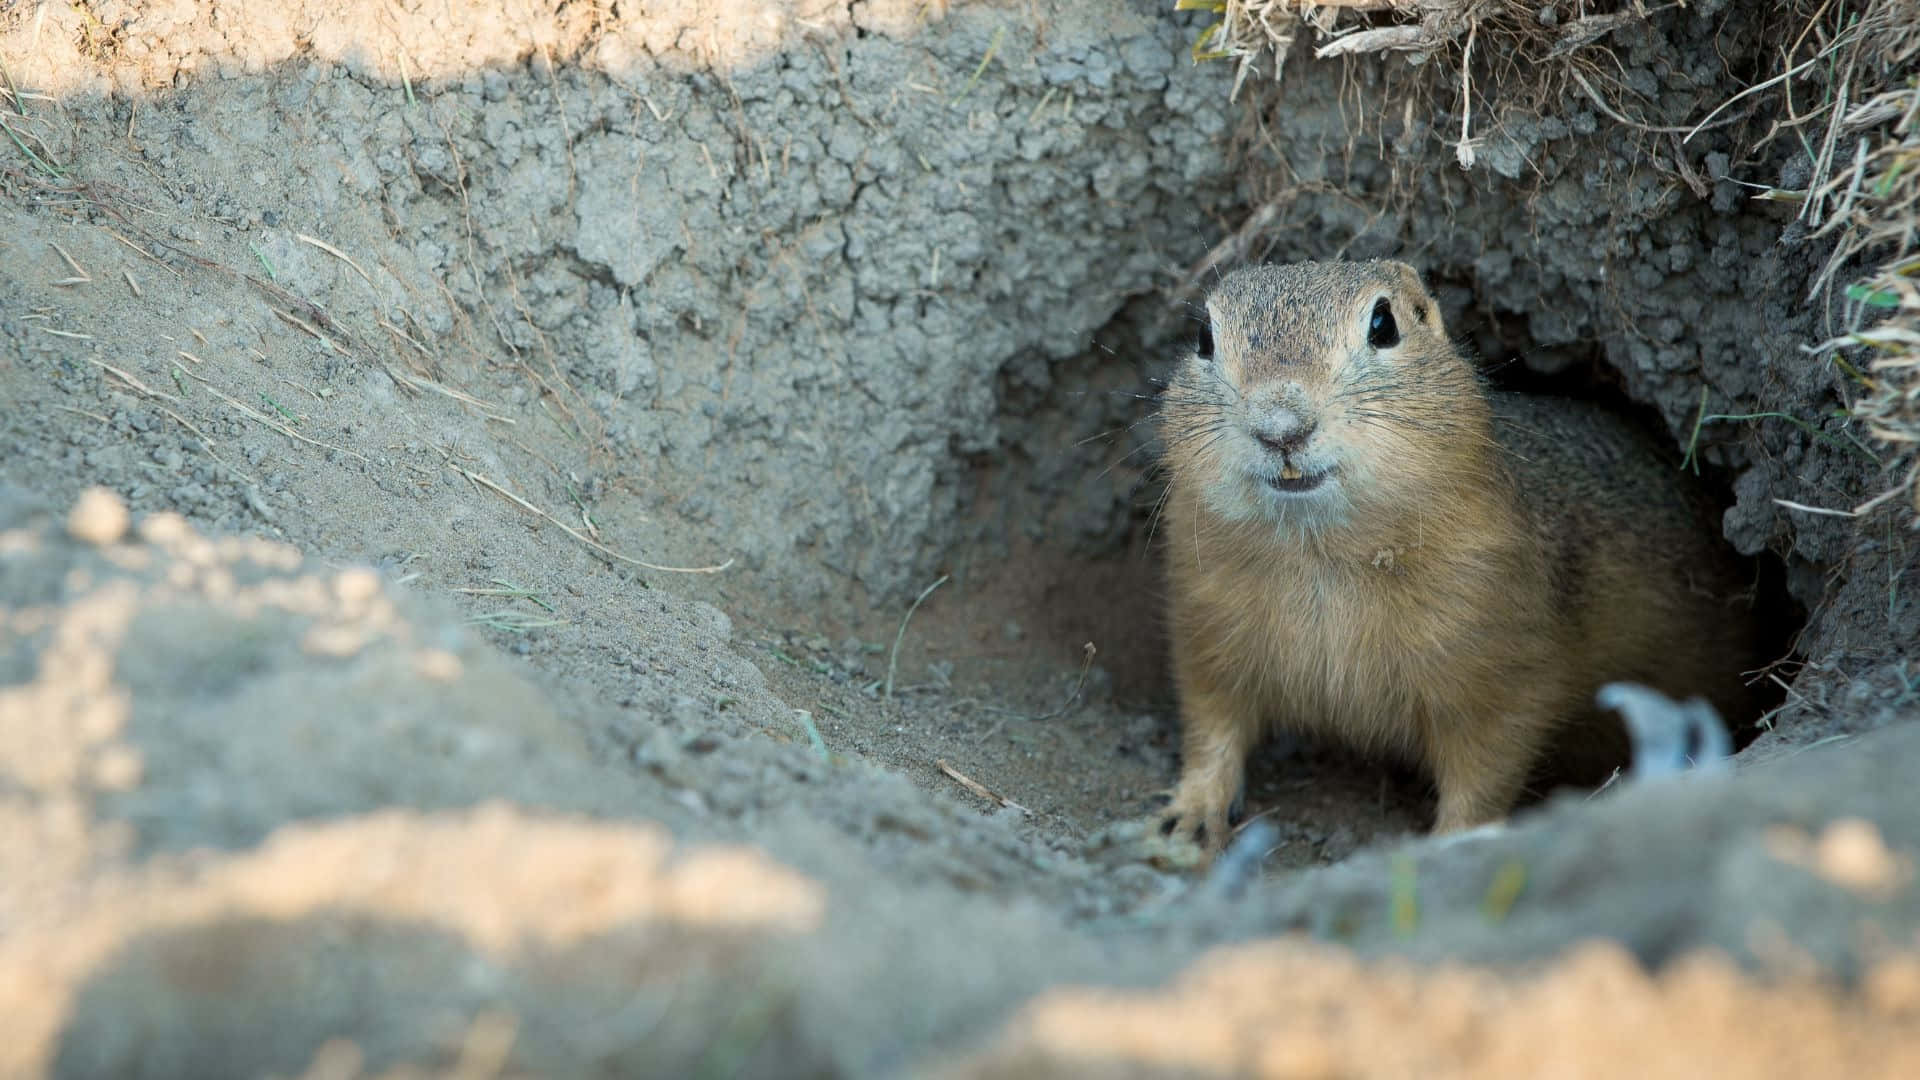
[1102, 474]
[1159, 511]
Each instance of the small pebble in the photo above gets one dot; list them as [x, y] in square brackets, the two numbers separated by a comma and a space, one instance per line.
[1851, 853]
[99, 518]
[119, 768]
[165, 527]
[436, 665]
[354, 587]
[338, 642]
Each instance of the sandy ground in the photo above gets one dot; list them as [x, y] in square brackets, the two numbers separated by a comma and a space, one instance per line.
[406, 722]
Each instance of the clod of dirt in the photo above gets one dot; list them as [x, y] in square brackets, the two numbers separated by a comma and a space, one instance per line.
[99, 518]
[1292, 1010]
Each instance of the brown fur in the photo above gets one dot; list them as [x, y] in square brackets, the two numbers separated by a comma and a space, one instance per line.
[1474, 568]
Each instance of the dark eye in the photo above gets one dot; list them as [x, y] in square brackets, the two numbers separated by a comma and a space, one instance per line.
[1203, 348]
[1382, 331]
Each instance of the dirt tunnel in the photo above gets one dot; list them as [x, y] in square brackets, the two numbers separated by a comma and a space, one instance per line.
[1064, 527]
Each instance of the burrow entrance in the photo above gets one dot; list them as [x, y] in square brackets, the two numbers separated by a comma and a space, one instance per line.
[1063, 549]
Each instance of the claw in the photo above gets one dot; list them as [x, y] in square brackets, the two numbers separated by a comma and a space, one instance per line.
[1207, 831]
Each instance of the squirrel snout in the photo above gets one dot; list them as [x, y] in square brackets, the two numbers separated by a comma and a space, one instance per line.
[1283, 431]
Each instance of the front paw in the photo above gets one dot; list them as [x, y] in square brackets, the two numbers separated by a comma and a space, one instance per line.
[1140, 840]
[1183, 837]
[1196, 820]
[1203, 826]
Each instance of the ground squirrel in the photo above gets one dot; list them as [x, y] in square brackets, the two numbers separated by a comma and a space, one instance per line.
[1367, 543]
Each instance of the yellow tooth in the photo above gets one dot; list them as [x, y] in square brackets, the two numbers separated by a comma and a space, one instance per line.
[1288, 472]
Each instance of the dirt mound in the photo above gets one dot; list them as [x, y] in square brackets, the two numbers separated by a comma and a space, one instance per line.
[1286, 1010]
[205, 742]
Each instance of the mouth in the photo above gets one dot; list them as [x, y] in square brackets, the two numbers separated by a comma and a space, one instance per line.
[1292, 481]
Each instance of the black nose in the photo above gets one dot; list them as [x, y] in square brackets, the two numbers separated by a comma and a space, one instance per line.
[1288, 439]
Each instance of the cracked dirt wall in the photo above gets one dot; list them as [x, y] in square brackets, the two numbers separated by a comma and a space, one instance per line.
[771, 254]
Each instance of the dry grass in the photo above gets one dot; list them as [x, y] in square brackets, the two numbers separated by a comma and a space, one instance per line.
[1864, 192]
[1253, 33]
[1465, 70]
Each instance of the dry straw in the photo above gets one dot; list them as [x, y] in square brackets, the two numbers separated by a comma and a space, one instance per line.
[1864, 192]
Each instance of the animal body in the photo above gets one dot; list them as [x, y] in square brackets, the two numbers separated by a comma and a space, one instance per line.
[1365, 543]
